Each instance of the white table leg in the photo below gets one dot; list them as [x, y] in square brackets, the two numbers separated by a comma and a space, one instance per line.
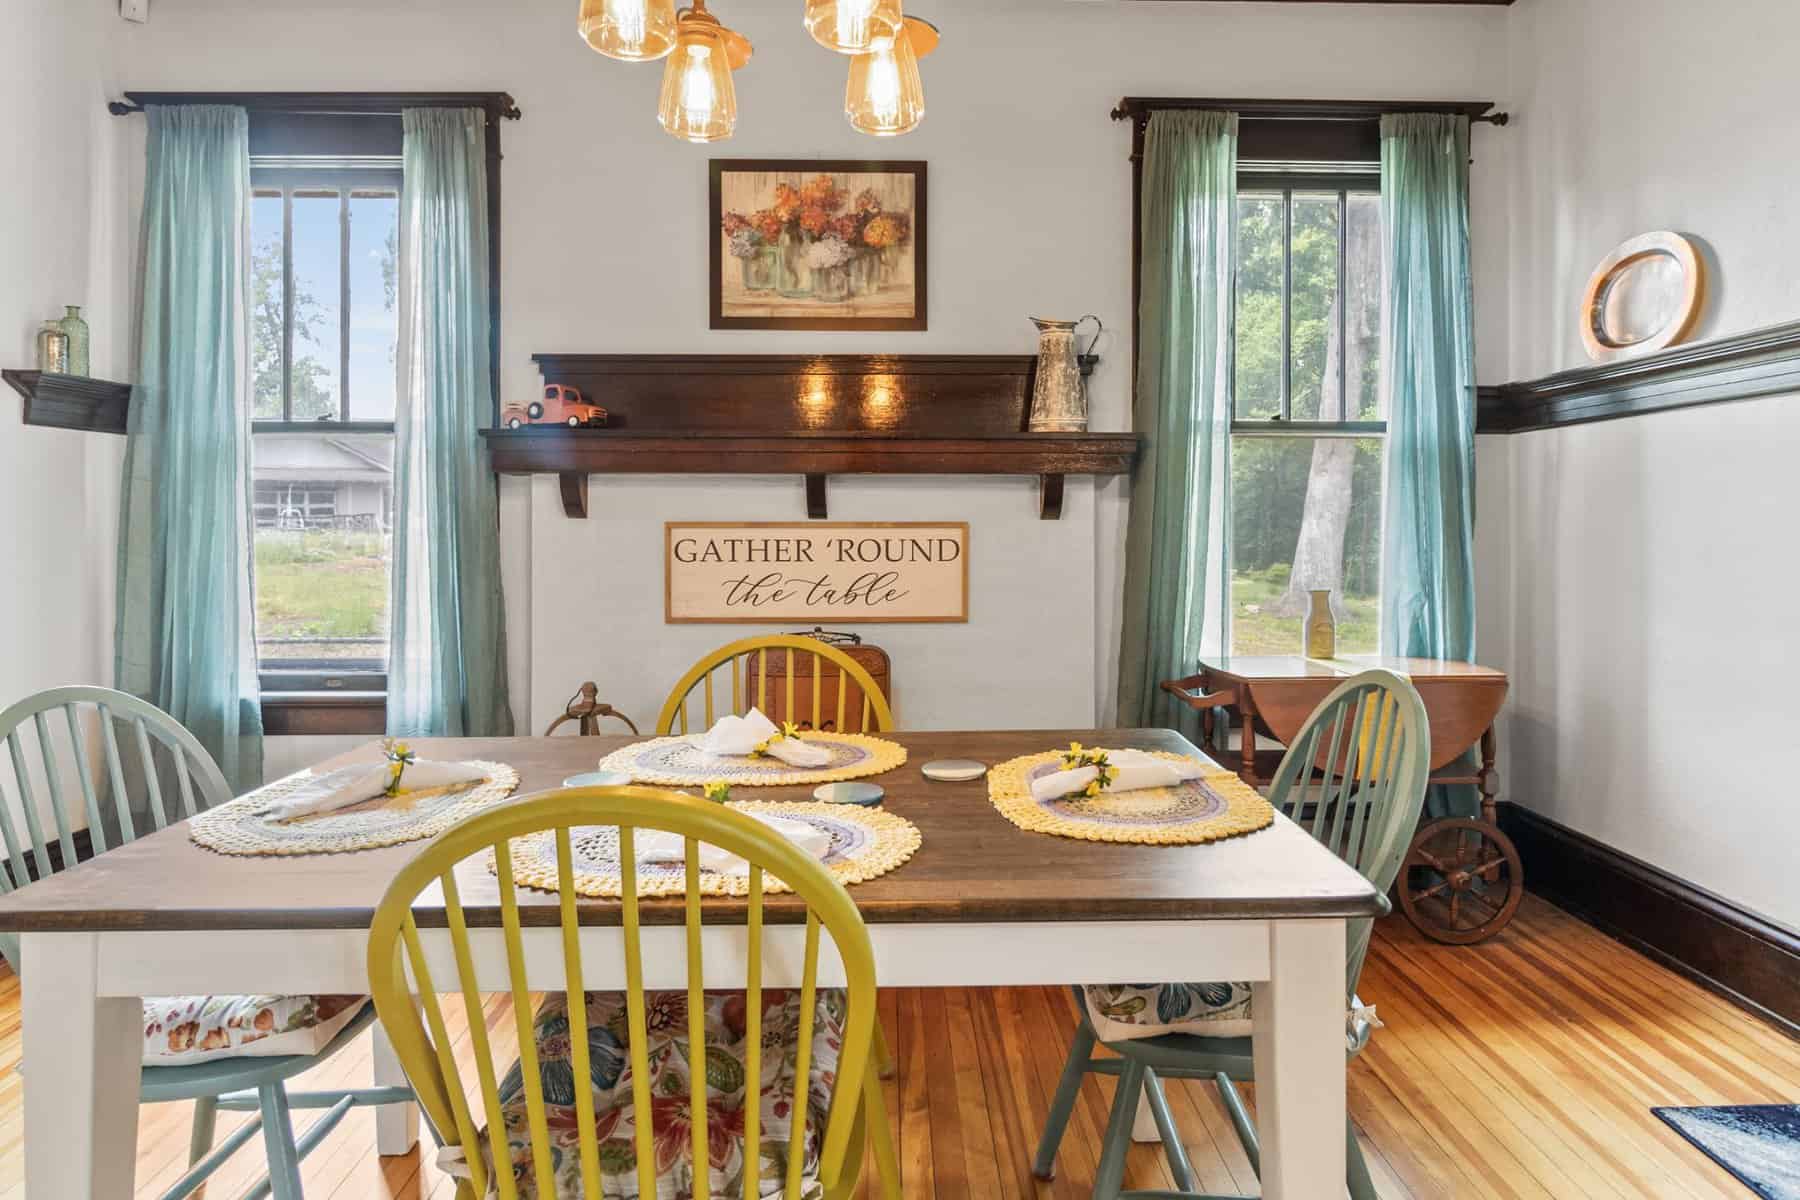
[1300, 1056]
[396, 1125]
[81, 1060]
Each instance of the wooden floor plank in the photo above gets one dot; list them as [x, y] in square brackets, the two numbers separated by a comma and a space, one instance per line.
[1519, 1069]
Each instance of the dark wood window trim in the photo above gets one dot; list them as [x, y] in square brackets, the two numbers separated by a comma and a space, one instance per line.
[1287, 132]
[308, 136]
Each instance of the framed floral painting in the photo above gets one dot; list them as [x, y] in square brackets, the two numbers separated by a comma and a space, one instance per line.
[817, 244]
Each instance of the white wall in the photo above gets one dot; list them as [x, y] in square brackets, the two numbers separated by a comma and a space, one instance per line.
[1650, 635]
[58, 488]
[604, 238]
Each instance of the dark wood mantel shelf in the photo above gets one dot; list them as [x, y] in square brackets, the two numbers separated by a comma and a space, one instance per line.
[574, 454]
[812, 415]
[71, 401]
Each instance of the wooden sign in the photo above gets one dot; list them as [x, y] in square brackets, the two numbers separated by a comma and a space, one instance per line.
[828, 572]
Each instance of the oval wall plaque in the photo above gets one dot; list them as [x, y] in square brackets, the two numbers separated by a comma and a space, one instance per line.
[1643, 296]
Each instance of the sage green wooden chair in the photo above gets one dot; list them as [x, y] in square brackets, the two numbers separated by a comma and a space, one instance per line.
[1354, 777]
[570, 1076]
[174, 778]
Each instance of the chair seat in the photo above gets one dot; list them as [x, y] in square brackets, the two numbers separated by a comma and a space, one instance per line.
[1123, 1012]
[610, 1078]
[182, 1031]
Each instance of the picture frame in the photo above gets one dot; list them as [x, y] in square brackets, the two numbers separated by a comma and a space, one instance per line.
[817, 244]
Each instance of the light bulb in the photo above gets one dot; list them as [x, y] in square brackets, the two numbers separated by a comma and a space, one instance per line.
[630, 30]
[885, 96]
[698, 101]
[851, 26]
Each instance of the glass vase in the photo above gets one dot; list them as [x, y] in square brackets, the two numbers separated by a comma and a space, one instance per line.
[793, 278]
[1321, 630]
[831, 283]
[759, 269]
[864, 273]
[77, 331]
[52, 349]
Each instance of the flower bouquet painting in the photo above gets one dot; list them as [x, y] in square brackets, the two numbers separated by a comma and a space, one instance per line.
[818, 244]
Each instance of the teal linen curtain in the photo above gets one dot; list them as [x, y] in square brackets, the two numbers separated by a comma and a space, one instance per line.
[447, 662]
[185, 633]
[1428, 556]
[1175, 544]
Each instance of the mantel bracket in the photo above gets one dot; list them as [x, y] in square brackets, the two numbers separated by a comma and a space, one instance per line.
[1050, 497]
[574, 486]
[815, 498]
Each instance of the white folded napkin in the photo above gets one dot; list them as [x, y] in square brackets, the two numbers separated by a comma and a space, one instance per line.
[736, 737]
[659, 846]
[1134, 771]
[341, 789]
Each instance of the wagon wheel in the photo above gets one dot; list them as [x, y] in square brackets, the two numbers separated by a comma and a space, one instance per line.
[1461, 881]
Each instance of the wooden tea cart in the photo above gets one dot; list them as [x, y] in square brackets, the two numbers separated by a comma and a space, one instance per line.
[1462, 879]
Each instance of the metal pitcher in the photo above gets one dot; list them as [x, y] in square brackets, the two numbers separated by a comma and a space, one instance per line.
[1059, 397]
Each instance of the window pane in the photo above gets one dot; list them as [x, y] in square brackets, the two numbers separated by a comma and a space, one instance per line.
[268, 302]
[1365, 292]
[1259, 274]
[318, 303]
[1313, 309]
[374, 311]
[323, 505]
[1305, 514]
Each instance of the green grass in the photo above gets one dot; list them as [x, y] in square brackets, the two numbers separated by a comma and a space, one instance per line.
[1262, 632]
[320, 585]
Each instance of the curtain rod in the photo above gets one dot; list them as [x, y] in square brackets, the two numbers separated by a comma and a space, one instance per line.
[1139, 108]
[326, 104]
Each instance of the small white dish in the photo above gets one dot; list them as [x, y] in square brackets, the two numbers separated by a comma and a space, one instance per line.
[598, 779]
[865, 794]
[953, 770]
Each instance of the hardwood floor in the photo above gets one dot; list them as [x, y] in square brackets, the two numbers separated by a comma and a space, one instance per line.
[1525, 1067]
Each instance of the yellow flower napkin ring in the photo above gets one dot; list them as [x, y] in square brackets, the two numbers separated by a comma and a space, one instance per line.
[399, 756]
[788, 730]
[1076, 757]
[718, 791]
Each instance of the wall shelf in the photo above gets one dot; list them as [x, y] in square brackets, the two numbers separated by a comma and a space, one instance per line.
[71, 401]
[574, 454]
[812, 416]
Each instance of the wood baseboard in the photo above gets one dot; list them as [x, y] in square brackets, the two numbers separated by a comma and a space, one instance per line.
[1748, 959]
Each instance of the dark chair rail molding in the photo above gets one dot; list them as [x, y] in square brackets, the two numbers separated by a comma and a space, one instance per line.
[1742, 366]
[1748, 959]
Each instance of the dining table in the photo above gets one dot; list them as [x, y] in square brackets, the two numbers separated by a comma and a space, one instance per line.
[981, 903]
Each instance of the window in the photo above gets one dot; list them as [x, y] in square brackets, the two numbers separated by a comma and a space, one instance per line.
[325, 324]
[1309, 416]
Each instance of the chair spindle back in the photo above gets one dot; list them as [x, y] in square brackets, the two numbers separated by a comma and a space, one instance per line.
[750, 662]
[406, 976]
[1354, 777]
[54, 731]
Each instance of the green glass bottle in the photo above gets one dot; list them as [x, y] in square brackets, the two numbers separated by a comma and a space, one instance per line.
[77, 329]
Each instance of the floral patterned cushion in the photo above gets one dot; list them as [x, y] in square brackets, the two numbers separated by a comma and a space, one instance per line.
[610, 1077]
[1121, 1012]
[182, 1030]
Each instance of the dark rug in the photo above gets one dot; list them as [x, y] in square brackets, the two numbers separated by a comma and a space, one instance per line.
[1757, 1143]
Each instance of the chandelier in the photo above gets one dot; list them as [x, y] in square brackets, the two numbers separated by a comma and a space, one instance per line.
[883, 97]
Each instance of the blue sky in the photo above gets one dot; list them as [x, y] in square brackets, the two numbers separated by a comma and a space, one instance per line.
[316, 266]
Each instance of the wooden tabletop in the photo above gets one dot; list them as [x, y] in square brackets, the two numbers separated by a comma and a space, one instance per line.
[973, 866]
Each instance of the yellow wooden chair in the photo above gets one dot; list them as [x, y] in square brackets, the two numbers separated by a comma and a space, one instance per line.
[750, 661]
[408, 969]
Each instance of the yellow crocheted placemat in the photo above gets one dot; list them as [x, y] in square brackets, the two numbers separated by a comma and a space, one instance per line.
[238, 826]
[680, 762]
[865, 843]
[1216, 805]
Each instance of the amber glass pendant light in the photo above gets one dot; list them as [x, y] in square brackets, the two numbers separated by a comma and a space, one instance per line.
[852, 26]
[885, 96]
[628, 30]
[698, 101]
